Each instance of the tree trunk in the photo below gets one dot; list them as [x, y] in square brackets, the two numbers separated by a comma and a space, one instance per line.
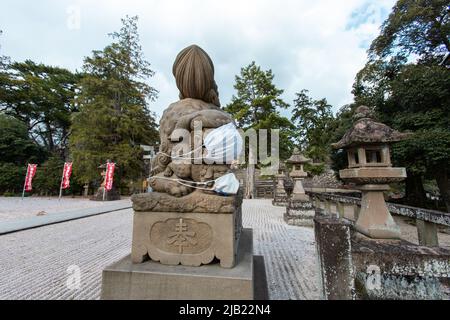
[51, 145]
[415, 193]
[250, 179]
[444, 187]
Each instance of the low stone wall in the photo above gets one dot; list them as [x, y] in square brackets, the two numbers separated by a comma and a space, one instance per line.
[356, 267]
[348, 207]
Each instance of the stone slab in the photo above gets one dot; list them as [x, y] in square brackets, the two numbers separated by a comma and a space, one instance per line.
[39, 221]
[260, 278]
[197, 201]
[299, 213]
[151, 280]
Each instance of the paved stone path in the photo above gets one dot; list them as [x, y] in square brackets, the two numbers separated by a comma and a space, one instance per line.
[14, 208]
[59, 217]
[36, 263]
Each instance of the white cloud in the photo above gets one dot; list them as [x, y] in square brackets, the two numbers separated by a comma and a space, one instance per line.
[316, 45]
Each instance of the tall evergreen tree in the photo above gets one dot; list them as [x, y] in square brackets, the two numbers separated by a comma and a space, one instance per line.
[257, 105]
[413, 94]
[41, 96]
[114, 117]
[419, 27]
[16, 150]
[314, 122]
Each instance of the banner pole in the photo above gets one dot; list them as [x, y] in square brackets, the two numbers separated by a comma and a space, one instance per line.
[24, 183]
[104, 186]
[62, 179]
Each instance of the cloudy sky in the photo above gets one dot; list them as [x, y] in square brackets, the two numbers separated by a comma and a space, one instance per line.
[316, 45]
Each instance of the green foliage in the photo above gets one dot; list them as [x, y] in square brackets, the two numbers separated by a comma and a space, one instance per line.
[40, 96]
[15, 145]
[415, 96]
[12, 177]
[113, 118]
[4, 63]
[315, 169]
[314, 124]
[48, 176]
[418, 27]
[256, 105]
[343, 122]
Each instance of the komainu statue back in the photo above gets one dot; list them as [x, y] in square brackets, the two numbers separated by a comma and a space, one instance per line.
[186, 220]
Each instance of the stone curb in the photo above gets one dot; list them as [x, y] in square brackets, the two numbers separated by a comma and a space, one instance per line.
[58, 217]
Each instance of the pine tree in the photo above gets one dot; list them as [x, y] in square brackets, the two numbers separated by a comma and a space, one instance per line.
[114, 117]
[315, 123]
[256, 105]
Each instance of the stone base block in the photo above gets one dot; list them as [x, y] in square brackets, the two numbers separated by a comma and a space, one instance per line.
[190, 238]
[295, 204]
[299, 213]
[111, 195]
[151, 280]
[300, 197]
[280, 200]
[280, 203]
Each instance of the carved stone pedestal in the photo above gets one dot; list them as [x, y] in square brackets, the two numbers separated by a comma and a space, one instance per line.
[190, 239]
[299, 212]
[151, 280]
[189, 248]
[190, 231]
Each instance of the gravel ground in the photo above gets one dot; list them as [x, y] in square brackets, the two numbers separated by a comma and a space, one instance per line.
[13, 208]
[36, 264]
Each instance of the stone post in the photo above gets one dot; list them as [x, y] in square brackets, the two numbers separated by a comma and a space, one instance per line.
[333, 243]
[427, 233]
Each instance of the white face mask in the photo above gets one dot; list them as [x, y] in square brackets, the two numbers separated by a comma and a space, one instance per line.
[224, 144]
[227, 184]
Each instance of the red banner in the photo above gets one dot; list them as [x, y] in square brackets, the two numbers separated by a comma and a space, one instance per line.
[31, 171]
[109, 175]
[67, 172]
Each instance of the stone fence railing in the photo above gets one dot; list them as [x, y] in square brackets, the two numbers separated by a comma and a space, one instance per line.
[349, 207]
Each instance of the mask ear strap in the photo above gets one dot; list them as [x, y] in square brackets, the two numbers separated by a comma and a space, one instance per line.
[186, 182]
[182, 155]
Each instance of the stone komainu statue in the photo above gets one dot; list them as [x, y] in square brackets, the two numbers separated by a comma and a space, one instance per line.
[179, 223]
[194, 73]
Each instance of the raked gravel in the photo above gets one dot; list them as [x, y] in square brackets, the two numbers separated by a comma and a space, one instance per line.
[36, 264]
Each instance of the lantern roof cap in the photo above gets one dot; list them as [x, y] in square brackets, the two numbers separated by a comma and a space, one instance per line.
[298, 158]
[365, 130]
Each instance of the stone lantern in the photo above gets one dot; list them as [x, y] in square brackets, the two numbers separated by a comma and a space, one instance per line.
[280, 195]
[369, 166]
[299, 210]
[298, 174]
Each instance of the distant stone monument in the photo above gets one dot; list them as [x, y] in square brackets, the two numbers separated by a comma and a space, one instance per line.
[299, 210]
[188, 241]
[280, 195]
[370, 168]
